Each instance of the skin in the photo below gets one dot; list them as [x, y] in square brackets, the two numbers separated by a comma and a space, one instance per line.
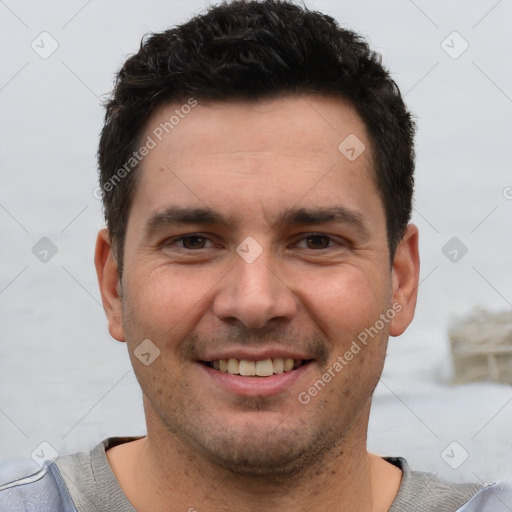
[210, 448]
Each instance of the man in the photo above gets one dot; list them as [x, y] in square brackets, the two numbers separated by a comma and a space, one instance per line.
[256, 166]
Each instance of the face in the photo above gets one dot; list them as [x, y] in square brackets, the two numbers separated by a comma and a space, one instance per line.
[254, 245]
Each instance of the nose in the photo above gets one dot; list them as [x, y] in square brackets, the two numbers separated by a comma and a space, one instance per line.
[254, 294]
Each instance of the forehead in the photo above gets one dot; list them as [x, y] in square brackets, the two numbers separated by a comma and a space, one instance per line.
[288, 123]
[261, 155]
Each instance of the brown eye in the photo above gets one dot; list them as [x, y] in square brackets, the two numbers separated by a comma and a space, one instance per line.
[317, 242]
[193, 242]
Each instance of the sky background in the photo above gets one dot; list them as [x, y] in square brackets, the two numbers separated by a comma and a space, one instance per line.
[64, 381]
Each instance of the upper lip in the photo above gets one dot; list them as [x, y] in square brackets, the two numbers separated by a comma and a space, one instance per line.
[254, 354]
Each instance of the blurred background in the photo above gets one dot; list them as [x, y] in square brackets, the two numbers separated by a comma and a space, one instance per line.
[66, 382]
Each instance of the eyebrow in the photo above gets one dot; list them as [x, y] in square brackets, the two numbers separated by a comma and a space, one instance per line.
[310, 216]
[175, 215]
[184, 215]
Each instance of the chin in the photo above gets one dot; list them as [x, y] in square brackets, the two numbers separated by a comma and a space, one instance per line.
[265, 451]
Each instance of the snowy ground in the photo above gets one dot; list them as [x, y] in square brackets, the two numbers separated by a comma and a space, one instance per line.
[65, 381]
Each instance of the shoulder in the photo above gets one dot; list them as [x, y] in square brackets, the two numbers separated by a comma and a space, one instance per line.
[493, 497]
[27, 487]
[90, 480]
[429, 493]
[78, 481]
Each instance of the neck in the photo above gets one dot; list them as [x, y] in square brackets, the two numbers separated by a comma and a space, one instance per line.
[159, 473]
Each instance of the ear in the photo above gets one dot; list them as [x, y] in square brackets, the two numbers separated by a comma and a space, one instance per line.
[405, 276]
[110, 287]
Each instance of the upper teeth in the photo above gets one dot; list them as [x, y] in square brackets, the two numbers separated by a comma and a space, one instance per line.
[254, 368]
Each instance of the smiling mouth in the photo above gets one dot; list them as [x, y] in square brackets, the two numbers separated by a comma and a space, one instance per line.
[263, 368]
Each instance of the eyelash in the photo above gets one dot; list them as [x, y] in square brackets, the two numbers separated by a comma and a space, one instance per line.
[181, 238]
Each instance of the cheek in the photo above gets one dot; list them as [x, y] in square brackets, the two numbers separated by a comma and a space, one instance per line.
[348, 309]
[347, 301]
[164, 299]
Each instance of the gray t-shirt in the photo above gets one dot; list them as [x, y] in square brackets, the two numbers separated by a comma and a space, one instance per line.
[92, 487]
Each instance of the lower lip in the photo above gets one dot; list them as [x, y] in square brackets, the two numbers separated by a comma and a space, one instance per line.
[256, 386]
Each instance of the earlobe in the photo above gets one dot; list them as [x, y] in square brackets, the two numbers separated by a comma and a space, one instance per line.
[406, 268]
[110, 286]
